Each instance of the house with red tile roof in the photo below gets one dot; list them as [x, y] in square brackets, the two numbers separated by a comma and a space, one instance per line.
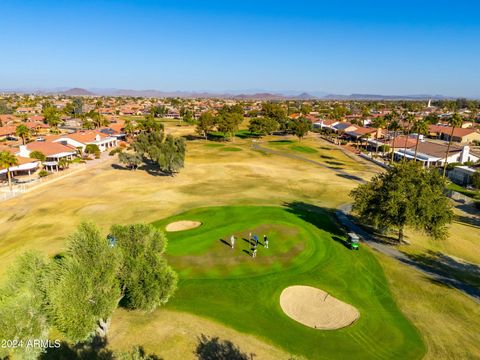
[433, 154]
[52, 151]
[81, 139]
[24, 166]
[461, 135]
[8, 130]
[361, 132]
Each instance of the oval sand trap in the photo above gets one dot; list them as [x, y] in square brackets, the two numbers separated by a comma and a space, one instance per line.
[182, 225]
[316, 308]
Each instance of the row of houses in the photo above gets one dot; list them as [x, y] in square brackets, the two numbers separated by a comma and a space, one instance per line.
[58, 147]
[429, 151]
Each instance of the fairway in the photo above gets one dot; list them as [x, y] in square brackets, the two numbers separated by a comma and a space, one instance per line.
[230, 286]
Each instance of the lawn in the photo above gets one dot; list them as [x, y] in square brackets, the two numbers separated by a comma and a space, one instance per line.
[231, 287]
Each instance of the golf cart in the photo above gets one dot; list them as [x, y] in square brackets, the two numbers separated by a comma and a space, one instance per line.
[353, 241]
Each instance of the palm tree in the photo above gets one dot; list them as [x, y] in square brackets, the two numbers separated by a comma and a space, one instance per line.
[63, 163]
[421, 128]
[8, 160]
[379, 123]
[22, 131]
[394, 126]
[409, 120]
[455, 121]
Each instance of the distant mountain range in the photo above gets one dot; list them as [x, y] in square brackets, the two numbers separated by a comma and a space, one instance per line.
[255, 94]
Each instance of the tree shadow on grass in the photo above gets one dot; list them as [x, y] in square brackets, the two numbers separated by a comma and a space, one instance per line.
[322, 218]
[473, 221]
[150, 168]
[212, 348]
[96, 349]
[448, 271]
[341, 241]
[351, 177]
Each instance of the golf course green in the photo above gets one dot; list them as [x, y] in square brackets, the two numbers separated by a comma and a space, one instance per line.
[305, 248]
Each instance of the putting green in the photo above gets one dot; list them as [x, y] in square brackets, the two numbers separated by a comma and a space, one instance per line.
[305, 248]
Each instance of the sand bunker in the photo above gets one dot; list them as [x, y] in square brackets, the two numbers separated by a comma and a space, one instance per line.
[182, 225]
[316, 308]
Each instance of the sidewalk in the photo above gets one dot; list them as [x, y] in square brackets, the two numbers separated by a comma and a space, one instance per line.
[19, 189]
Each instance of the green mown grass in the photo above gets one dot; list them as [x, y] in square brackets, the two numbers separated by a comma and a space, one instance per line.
[305, 248]
[231, 149]
[304, 149]
[475, 194]
[281, 142]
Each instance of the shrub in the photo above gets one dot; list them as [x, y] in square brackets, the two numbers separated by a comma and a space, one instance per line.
[43, 173]
[384, 148]
[450, 166]
[115, 151]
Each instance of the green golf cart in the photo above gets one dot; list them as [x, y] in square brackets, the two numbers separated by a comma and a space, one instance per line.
[353, 241]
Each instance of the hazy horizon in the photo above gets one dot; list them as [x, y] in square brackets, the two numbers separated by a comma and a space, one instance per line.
[372, 47]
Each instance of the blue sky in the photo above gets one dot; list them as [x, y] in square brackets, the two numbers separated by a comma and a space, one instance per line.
[388, 47]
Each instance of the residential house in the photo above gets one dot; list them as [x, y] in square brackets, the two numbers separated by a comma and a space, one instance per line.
[460, 135]
[343, 127]
[461, 175]
[433, 154]
[81, 139]
[53, 152]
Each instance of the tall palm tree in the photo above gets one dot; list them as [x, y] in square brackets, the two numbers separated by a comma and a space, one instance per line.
[394, 126]
[421, 128]
[455, 121]
[22, 131]
[379, 123]
[8, 160]
[409, 120]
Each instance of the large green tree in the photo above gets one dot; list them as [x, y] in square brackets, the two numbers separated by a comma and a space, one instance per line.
[205, 123]
[168, 152]
[405, 196]
[131, 160]
[276, 112]
[301, 127]
[22, 306]
[83, 288]
[52, 117]
[147, 280]
[228, 123]
[263, 125]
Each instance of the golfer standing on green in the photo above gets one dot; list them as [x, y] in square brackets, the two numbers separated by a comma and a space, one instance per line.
[232, 241]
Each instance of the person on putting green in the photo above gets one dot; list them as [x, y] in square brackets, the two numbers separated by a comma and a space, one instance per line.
[249, 236]
[232, 241]
[254, 253]
[255, 238]
[265, 241]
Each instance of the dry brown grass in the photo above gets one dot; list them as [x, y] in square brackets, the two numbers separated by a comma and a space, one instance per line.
[174, 335]
[448, 320]
[41, 219]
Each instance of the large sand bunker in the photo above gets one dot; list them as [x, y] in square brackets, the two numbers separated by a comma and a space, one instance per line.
[316, 308]
[182, 225]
